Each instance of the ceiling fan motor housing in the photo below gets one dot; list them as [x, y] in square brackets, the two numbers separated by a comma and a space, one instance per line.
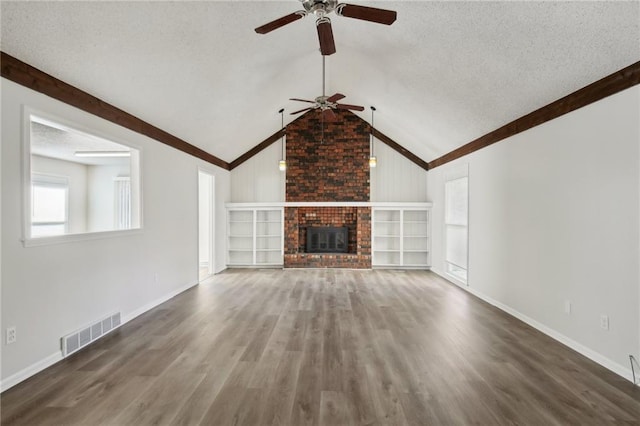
[323, 103]
[319, 7]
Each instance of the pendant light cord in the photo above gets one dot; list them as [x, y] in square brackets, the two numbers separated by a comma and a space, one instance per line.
[321, 127]
[281, 129]
[373, 109]
[321, 111]
[323, 76]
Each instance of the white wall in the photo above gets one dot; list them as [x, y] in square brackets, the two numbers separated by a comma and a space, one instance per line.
[49, 291]
[554, 216]
[396, 178]
[258, 180]
[101, 195]
[77, 177]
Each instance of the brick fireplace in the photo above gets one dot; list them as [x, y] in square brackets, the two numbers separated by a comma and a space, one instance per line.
[328, 163]
[357, 219]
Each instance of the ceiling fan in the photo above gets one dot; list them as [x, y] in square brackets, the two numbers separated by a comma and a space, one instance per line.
[321, 8]
[326, 104]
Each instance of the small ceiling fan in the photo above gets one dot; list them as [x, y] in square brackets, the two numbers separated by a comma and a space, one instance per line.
[326, 104]
[321, 8]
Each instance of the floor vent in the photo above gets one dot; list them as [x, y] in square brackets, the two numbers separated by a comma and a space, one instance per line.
[81, 338]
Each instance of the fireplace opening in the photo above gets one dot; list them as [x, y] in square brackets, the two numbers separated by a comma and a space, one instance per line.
[327, 239]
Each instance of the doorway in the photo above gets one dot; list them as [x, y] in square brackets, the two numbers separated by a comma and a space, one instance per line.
[206, 226]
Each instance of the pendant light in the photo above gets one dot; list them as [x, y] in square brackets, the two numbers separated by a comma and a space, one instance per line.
[373, 161]
[282, 164]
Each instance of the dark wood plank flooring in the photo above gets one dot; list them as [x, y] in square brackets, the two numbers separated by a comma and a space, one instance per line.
[324, 347]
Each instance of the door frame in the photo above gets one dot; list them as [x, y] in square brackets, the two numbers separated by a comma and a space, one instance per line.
[211, 220]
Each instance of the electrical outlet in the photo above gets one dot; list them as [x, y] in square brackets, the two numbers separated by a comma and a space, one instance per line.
[567, 307]
[12, 335]
[155, 278]
[604, 322]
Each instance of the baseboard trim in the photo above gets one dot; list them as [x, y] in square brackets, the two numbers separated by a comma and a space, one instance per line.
[578, 347]
[157, 302]
[38, 366]
[29, 371]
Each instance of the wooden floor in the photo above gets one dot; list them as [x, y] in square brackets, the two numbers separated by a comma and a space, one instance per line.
[326, 347]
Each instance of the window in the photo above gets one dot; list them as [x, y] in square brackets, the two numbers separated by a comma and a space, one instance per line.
[122, 203]
[49, 205]
[78, 183]
[456, 225]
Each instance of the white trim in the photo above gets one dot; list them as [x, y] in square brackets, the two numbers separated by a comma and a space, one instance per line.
[456, 173]
[328, 204]
[255, 238]
[31, 370]
[72, 238]
[38, 366]
[282, 235]
[30, 114]
[212, 221]
[451, 278]
[324, 269]
[260, 266]
[578, 347]
[157, 302]
[49, 179]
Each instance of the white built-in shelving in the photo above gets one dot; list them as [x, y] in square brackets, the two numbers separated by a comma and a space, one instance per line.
[401, 237]
[255, 236]
[400, 233]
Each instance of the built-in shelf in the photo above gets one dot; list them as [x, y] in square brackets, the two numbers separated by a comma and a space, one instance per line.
[255, 236]
[400, 236]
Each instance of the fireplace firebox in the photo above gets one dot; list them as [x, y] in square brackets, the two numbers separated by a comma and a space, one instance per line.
[327, 239]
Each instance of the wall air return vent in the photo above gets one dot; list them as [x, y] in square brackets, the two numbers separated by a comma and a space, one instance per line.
[81, 338]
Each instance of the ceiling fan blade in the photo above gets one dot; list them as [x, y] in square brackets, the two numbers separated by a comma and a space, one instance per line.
[352, 107]
[335, 97]
[328, 115]
[371, 14]
[325, 35]
[281, 22]
[301, 100]
[302, 110]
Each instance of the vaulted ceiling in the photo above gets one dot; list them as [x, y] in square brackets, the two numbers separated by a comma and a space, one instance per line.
[442, 75]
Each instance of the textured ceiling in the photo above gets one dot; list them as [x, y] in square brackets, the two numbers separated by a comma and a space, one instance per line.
[442, 75]
[49, 141]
